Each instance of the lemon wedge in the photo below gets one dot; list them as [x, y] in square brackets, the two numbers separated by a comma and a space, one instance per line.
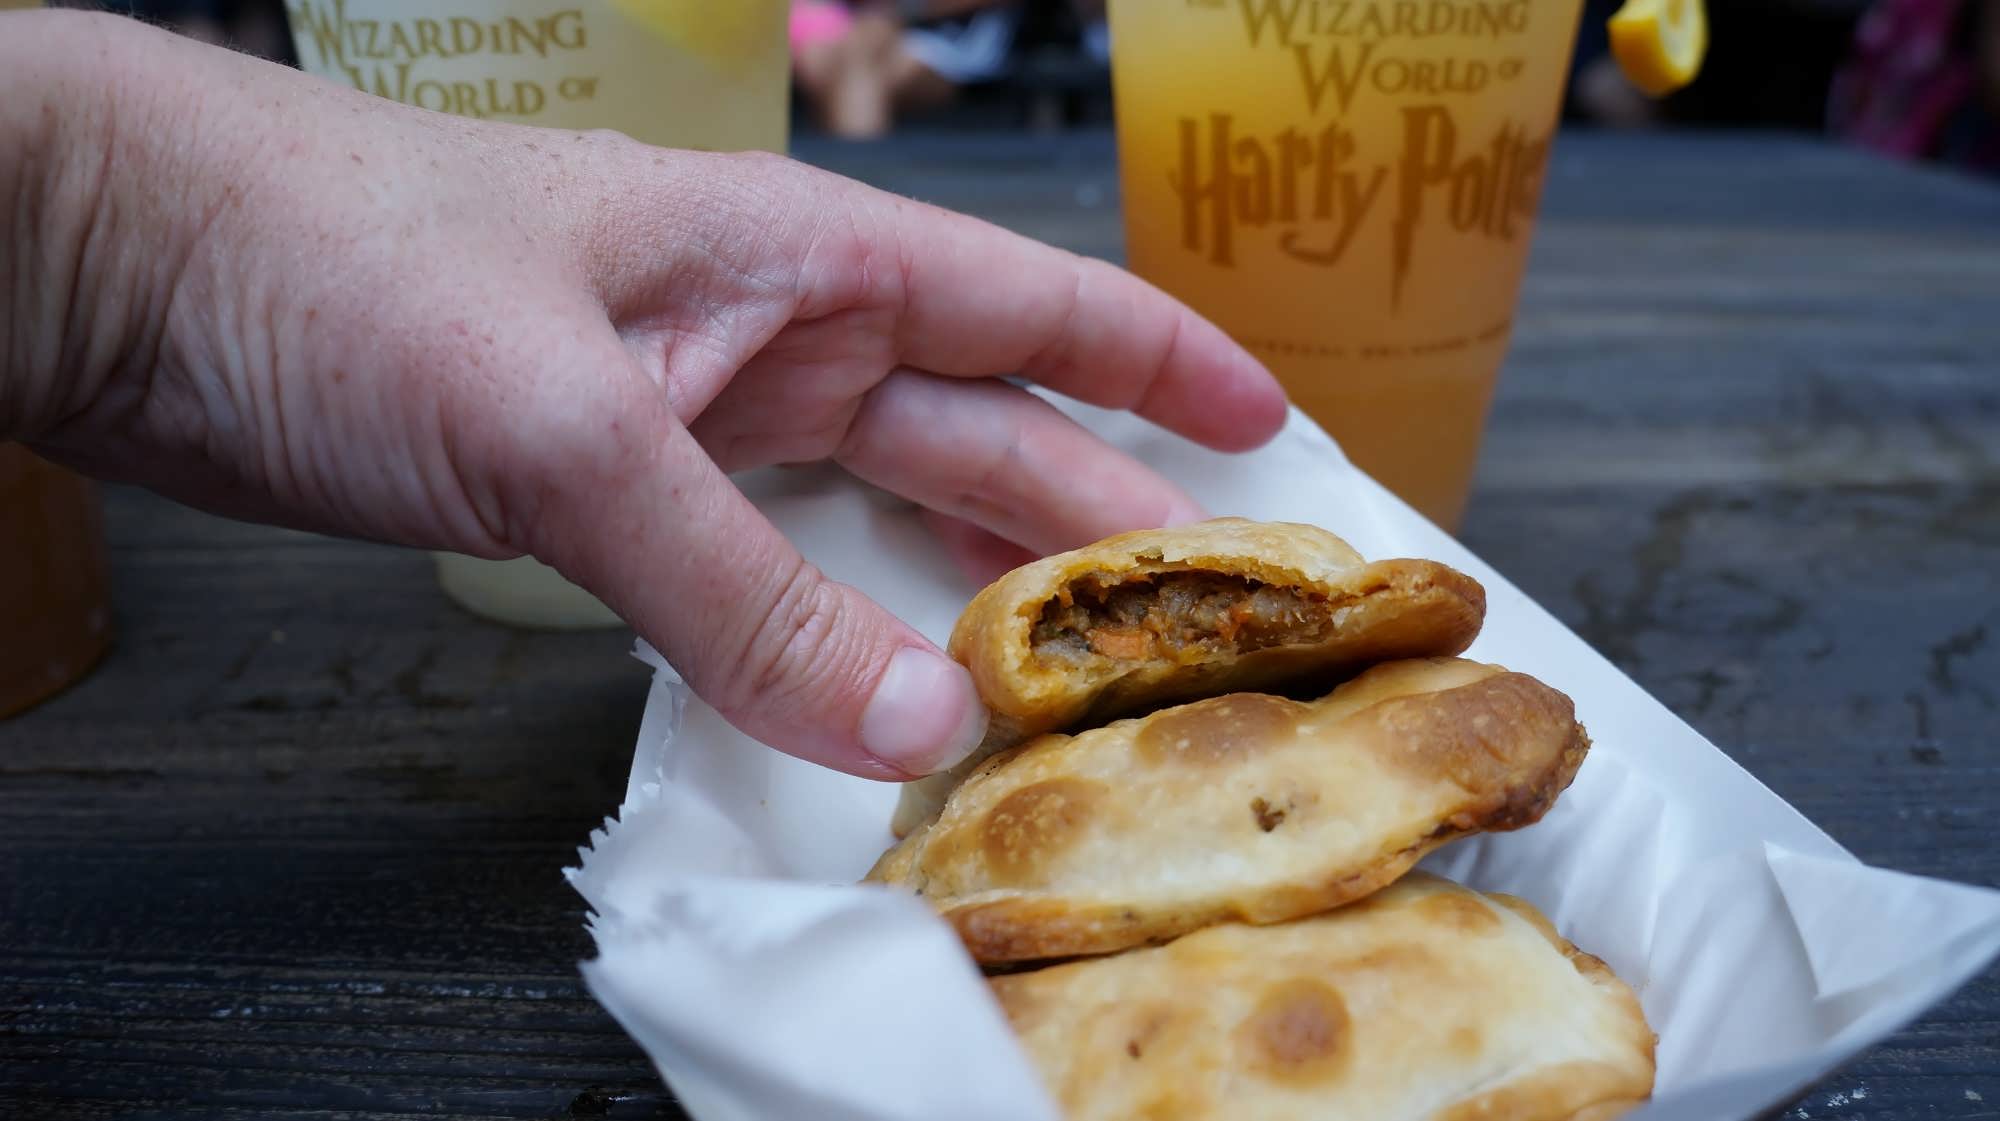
[1660, 44]
[728, 33]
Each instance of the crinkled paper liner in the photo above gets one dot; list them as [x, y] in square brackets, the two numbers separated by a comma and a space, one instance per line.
[736, 948]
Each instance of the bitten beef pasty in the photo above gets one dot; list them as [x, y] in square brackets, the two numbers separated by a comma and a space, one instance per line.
[1159, 617]
[1427, 1002]
[1246, 807]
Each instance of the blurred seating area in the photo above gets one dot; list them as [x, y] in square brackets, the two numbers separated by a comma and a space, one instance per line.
[255, 26]
[863, 68]
[1919, 79]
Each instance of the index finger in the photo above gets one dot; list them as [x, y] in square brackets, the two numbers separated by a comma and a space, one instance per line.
[974, 300]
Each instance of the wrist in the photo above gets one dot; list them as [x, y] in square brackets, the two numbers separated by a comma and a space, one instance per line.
[82, 245]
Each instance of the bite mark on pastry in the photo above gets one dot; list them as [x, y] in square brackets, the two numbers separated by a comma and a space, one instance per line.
[1146, 620]
[1176, 615]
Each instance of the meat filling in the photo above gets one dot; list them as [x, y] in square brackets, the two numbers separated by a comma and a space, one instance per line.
[1178, 617]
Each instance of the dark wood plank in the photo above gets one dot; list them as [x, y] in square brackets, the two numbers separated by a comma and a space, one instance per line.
[296, 845]
[1749, 447]
[293, 851]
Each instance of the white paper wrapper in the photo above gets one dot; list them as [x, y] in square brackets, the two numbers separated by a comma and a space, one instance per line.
[735, 948]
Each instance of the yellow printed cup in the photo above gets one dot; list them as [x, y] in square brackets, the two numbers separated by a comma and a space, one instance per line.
[1349, 190]
[705, 74]
[677, 73]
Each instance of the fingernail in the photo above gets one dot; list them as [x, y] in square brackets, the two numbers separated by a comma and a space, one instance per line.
[925, 715]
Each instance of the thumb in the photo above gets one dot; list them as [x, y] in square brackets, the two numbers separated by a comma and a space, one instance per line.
[808, 665]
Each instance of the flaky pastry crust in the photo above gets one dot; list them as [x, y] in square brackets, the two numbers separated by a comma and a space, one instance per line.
[1425, 1002]
[1345, 613]
[1247, 807]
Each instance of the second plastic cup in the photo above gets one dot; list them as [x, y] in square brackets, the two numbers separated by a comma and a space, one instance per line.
[1349, 190]
[677, 73]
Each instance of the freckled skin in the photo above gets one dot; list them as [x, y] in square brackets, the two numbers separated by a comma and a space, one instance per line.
[567, 358]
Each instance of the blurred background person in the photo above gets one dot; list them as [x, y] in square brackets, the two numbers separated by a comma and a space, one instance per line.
[1771, 64]
[1924, 83]
[859, 66]
[253, 26]
[1599, 93]
[820, 32]
[1917, 79]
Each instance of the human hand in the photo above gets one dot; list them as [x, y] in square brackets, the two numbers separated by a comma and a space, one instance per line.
[278, 299]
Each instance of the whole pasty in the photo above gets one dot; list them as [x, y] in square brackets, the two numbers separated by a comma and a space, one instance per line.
[1245, 807]
[1426, 1002]
[1158, 617]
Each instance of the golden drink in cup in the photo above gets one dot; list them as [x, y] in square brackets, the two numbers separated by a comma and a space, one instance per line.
[1348, 189]
[707, 74]
[55, 596]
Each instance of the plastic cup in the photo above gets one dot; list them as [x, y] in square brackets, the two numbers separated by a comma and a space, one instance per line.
[706, 74]
[1349, 190]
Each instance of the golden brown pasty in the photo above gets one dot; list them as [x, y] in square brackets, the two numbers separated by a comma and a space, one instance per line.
[1158, 617]
[1247, 807]
[1426, 1002]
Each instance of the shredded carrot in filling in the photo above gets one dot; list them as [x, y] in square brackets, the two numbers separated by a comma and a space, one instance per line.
[1176, 616]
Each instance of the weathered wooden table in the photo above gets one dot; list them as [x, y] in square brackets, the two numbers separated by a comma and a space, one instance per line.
[293, 852]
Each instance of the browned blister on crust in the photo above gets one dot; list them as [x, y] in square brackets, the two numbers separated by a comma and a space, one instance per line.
[1144, 620]
[1425, 1002]
[1246, 807]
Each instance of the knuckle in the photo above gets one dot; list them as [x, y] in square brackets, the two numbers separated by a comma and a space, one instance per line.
[796, 653]
[990, 486]
[766, 165]
[546, 459]
[859, 443]
[1059, 350]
